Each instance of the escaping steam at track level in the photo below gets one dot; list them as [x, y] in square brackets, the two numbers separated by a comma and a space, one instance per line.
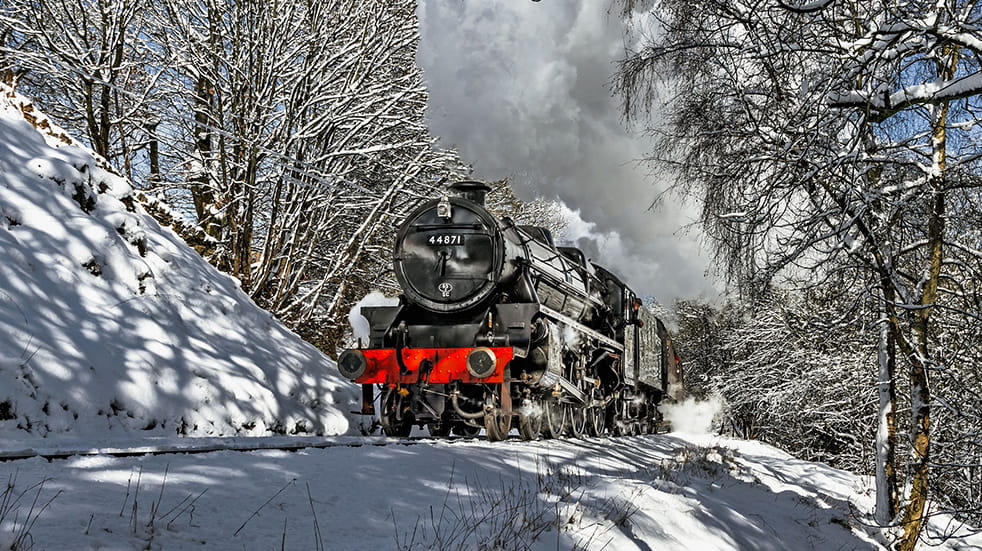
[496, 324]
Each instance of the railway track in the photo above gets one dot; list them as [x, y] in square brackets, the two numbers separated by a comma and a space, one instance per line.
[209, 445]
[177, 446]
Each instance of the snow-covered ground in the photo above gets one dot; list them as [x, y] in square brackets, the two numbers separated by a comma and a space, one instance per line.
[659, 492]
[111, 324]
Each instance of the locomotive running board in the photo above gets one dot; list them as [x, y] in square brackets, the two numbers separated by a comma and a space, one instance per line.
[581, 328]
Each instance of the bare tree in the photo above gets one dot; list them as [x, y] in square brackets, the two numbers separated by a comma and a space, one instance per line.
[808, 393]
[304, 127]
[292, 134]
[702, 329]
[820, 136]
[86, 64]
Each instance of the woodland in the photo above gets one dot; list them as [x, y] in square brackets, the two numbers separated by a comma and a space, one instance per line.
[831, 148]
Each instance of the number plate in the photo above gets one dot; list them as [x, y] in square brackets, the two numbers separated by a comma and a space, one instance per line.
[444, 239]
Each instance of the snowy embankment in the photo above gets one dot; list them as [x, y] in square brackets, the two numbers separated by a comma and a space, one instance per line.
[111, 324]
[661, 492]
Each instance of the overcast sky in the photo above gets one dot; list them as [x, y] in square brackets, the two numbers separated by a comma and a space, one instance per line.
[521, 89]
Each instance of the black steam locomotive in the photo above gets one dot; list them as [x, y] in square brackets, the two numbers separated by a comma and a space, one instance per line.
[498, 326]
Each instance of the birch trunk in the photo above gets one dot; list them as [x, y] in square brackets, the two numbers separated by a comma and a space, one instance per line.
[886, 429]
[919, 382]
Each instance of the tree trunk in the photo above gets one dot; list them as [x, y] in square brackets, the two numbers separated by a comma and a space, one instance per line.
[886, 429]
[154, 152]
[920, 389]
[202, 191]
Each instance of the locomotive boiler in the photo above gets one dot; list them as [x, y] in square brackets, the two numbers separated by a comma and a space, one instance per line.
[498, 327]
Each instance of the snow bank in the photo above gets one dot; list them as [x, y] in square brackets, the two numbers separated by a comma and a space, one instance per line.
[110, 324]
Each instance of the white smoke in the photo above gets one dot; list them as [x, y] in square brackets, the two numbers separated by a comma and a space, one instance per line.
[694, 416]
[571, 337]
[360, 329]
[534, 76]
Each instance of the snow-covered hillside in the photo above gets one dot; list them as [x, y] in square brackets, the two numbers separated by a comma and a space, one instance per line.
[110, 324]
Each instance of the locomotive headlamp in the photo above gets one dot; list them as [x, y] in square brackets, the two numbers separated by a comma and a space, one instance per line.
[443, 208]
[352, 364]
[481, 362]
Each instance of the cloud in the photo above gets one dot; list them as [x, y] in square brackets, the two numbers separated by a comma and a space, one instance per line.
[521, 90]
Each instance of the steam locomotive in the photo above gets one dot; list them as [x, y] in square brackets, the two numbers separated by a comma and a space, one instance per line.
[497, 326]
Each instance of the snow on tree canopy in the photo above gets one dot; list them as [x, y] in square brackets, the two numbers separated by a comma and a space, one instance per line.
[111, 324]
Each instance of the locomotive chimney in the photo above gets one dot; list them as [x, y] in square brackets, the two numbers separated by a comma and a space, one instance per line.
[471, 190]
